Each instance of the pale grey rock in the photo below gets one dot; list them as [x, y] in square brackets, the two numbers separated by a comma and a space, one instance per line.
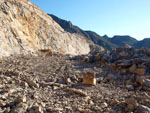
[26, 29]
[143, 109]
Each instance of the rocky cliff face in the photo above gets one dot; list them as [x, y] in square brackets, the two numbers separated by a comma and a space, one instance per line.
[26, 29]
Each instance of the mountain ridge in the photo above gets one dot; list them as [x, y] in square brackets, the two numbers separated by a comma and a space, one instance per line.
[143, 43]
[122, 40]
[108, 43]
[69, 27]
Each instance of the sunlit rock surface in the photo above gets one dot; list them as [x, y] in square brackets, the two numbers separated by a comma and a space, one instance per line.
[25, 29]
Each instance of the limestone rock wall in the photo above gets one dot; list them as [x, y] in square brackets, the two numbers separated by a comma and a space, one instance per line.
[26, 29]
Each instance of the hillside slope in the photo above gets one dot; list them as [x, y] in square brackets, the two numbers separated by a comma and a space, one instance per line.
[106, 42]
[26, 29]
[90, 35]
[121, 41]
[143, 43]
[97, 39]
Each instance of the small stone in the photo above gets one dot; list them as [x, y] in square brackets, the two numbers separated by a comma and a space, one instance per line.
[81, 110]
[37, 108]
[35, 96]
[68, 80]
[20, 99]
[141, 71]
[146, 88]
[89, 78]
[111, 111]
[123, 71]
[122, 104]
[112, 77]
[130, 87]
[132, 68]
[114, 101]
[131, 101]
[57, 110]
[87, 98]
[135, 84]
[104, 105]
[146, 82]
[86, 59]
[130, 107]
[21, 108]
[143, 81]
[55, 87]
[139, 80]
[68, 108]
[76, 91]
[143, 109]
[96, 57]
[4, 96]
[23, 84]
[7, 110]
[43, 104]
[11, 91]
[32, 111]
[147, 76]
[91, 102]
[32, 83]
[56, 84]
[2, 103]
[129, 82]
[43, 84]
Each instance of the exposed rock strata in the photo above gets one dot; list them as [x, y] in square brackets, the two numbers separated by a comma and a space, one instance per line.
[26, 29]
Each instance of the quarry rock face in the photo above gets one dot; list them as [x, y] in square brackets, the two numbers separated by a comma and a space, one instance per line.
[26, 29]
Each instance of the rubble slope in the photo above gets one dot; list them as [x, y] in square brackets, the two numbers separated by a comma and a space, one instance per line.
[55, 84]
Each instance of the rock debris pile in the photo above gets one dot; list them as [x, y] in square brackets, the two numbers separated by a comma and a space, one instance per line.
[115, 82]
[127, 66]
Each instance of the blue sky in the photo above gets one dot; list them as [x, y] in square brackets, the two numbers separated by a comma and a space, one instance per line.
[111, 17]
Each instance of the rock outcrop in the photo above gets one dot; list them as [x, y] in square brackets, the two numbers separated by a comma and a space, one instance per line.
[26, 29]
[127, 65]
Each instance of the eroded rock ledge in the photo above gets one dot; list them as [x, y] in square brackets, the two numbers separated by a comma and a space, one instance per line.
[26, 29]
